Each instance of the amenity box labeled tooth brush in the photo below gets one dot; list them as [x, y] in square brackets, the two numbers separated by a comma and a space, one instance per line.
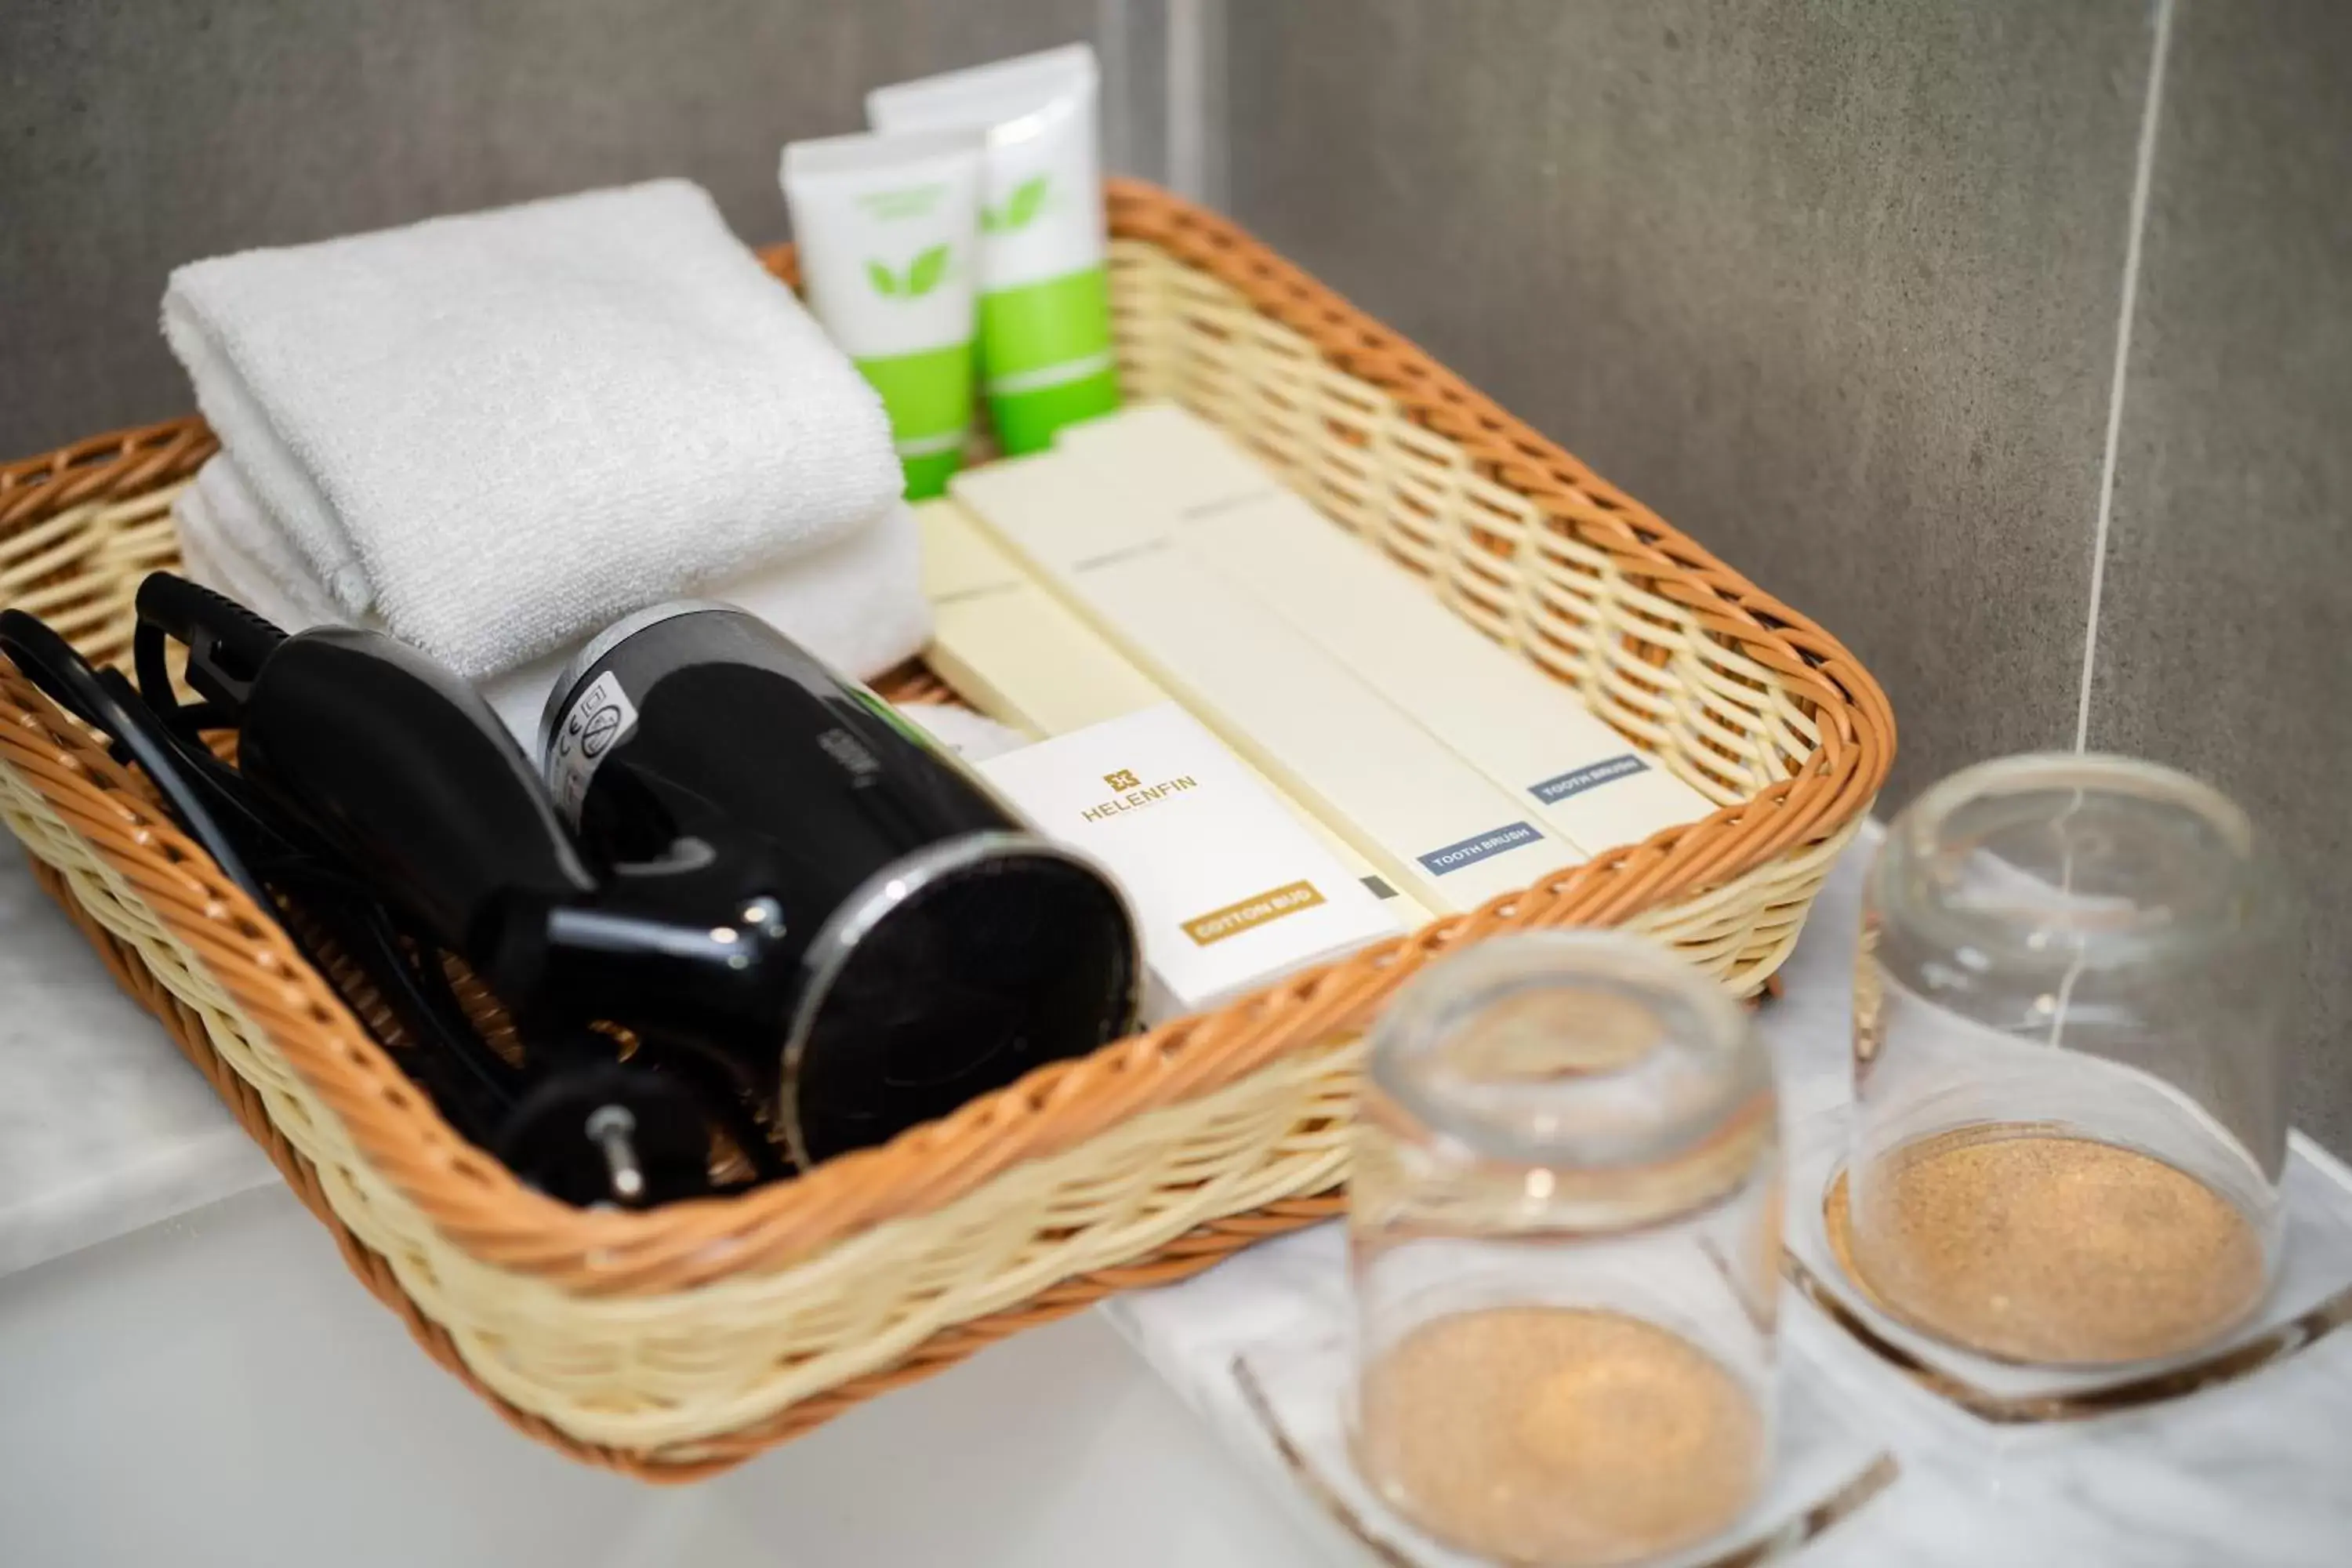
[1195, 486]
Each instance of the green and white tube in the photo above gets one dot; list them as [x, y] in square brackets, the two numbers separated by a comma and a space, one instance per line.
[1045, 296]
[889, 230]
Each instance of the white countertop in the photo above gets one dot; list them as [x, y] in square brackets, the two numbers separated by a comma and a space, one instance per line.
[217, 1392]
[104, 1126]
[257, 1343]
[2257, 1471]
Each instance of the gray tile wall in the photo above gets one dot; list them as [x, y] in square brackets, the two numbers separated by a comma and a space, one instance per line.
[1830, 286]
[2225, 608]
[1836, 284]
[136, 136]
[1839, 286]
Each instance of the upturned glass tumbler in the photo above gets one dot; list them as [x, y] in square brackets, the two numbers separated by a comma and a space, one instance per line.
[2070, 1123]
[1565, 1222]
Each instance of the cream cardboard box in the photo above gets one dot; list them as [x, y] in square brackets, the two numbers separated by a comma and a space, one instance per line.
[1230, 891]
[1520, 728]
[1020, 655]
[1430, 824]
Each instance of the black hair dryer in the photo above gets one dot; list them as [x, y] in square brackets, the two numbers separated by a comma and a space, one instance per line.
[791, 900]
[936, 949]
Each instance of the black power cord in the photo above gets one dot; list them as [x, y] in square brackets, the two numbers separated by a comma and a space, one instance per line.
[112, 708]
[534, 1116]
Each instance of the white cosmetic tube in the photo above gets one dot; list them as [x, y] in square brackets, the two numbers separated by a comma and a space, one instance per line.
[1045, 293]
[889, 230]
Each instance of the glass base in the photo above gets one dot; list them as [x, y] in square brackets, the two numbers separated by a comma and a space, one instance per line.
[1824, 1466]
[2311, 1296]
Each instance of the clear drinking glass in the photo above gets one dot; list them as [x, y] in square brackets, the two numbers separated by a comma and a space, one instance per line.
[2070, 1124]
[1565, 1231]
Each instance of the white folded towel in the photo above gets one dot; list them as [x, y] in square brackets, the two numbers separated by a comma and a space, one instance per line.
[500, 431]
[856, 602]
[232, 544]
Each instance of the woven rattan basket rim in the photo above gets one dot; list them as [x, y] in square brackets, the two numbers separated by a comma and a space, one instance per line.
[473, 1200]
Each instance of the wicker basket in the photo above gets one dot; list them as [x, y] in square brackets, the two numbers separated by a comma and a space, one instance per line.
[675, 1342]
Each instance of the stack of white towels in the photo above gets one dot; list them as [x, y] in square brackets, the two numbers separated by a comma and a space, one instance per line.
[491, 436]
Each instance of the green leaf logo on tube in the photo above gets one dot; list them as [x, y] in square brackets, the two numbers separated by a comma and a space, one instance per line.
[1045, 298]
[927, 270]
[1018, 208]
[923, 274]
[889, 230]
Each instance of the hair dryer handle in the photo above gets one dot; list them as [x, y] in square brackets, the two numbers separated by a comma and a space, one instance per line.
[227, 643]
[405, 770]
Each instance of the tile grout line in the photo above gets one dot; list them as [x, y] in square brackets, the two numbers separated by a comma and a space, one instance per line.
[1195, 35]
[2142, 177]
[1187, 136]
[1117, 107]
